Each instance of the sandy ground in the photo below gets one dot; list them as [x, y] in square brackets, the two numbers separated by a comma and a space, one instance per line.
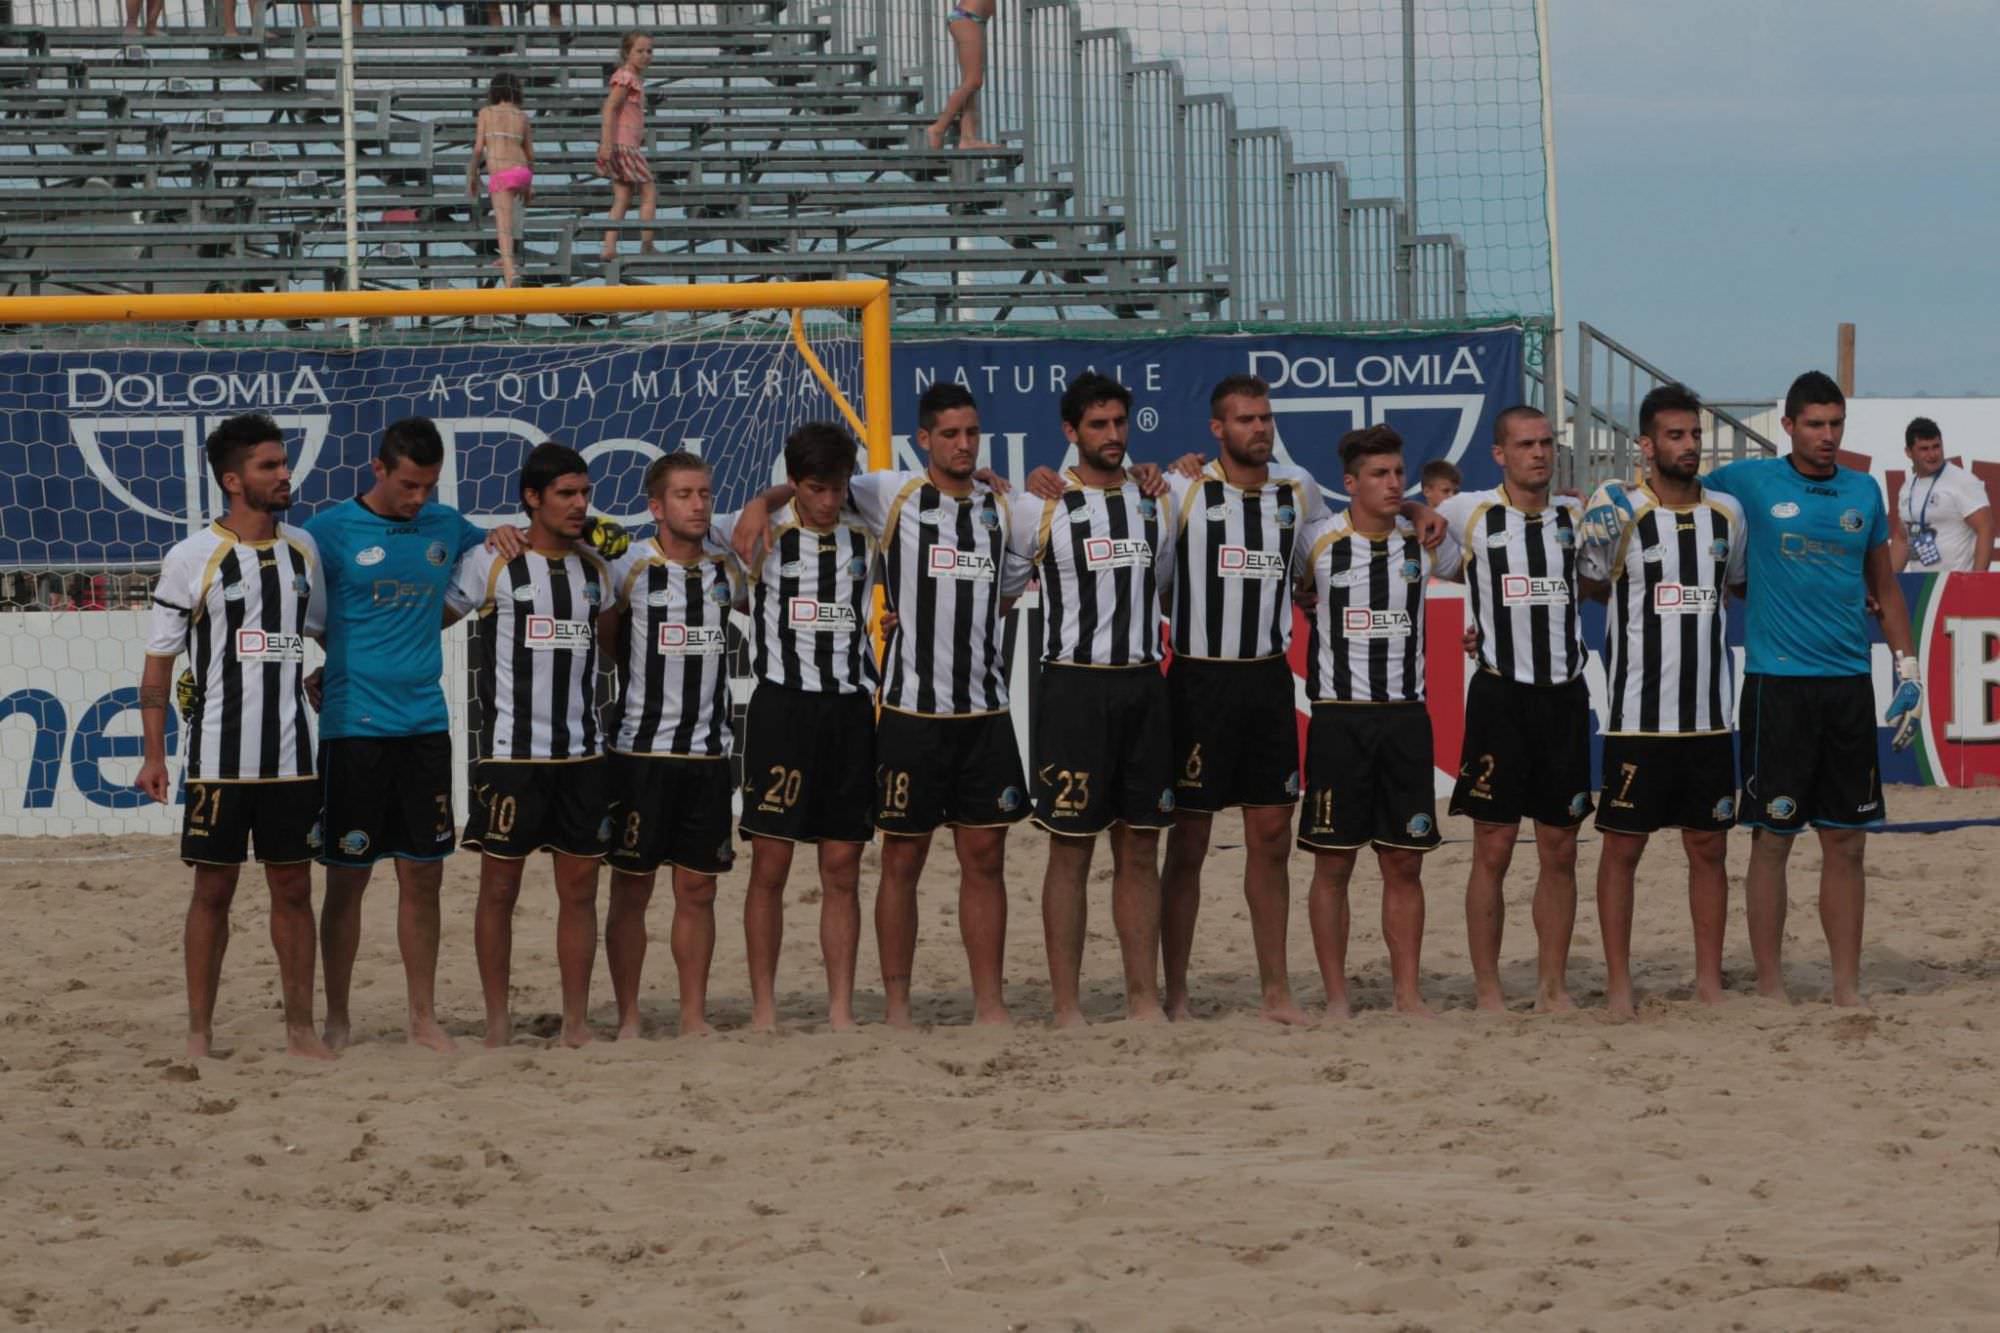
[1748, 1167]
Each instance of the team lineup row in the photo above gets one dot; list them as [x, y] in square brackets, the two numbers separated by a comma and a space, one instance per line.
[1215, 554]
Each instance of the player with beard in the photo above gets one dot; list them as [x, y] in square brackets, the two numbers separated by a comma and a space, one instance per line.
[1665, 555]
[241, 597]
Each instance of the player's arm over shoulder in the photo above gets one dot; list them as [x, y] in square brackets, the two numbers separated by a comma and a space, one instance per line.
[471, 587]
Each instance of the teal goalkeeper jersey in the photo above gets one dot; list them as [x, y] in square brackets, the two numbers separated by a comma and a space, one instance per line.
[385, 586]
[1809, 538]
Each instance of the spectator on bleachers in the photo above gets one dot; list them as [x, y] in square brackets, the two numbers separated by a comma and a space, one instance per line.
[309, 12]
[505, 141]
[619, 152]
[156, 13]
[966, 21]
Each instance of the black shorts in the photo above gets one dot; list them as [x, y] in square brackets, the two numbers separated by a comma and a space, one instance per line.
[671, 810]
[524, 806]
[1526, 754]
[1103, 749]
[931, 771]
[222, 817]
[808, 765]
[387, 796]
[1809, 753]
[1236, 733]
[1656, 782]
[1369, 778]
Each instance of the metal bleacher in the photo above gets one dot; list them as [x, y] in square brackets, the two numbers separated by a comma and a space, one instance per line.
[788, 141]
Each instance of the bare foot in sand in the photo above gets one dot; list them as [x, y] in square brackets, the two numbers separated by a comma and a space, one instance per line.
[630, 1029]
[305, 1043]
[1413, 1006]
[499, 1031]
[431, 1036]
[577, 1035]
[897, 1015]
[1336, 1010]
[1621, 1003]
[1178, 1010]
[336, 1033]
[1068, 1018]
[198, 1043]
[996, 1016]
[1282, 1009]
[1553, 1002]
[694, 1025]
[1146, 1012]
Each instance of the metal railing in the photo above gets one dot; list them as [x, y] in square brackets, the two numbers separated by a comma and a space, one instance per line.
[1131, 142]
[1611, 381]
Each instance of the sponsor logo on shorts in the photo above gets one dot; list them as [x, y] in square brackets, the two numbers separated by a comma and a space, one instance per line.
[948, 562]
[1868, 809]
[1533, 590]
[1117, 552]
[436, 553]
[369, 555]
[1782, 807]
[235, 592]
[820, 617]
[547, 634]
[1685, 599]
[1851, 520]
[677, 640]
[1167, 801]
[353, 842]
[1419, 826]
[1579, 805]
[604, 829]
[314, 838]
[1725, 809]
[1292, 783]
[263, 645]
[1010, 800]
[1784, 509]
[1358, 622]
[1240, 562]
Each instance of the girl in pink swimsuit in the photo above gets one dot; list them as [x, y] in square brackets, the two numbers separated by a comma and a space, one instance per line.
[966, 20]
[620, 142]
[505, 141]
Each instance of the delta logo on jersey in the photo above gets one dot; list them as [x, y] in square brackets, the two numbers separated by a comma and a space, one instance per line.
[1240, 562]
[1685, 599]
[803, 613]
[1100, 553]
[948, 562]
[549, 635]
[1358, 622]
[1531, 590]
[693, 640]
[262, 645]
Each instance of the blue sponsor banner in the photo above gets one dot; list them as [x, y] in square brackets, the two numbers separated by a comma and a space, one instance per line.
[101, 459]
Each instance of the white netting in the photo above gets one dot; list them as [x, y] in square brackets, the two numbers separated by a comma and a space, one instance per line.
[102, 469]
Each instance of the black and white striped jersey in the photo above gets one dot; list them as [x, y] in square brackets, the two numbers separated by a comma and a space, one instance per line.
[946, 568]
[242, 611]
[809, 604]
[1104, 556]
[1520, 572]
[1667, 662]
[1233, 554]
[673, 643]
[534, 650]
[1367, 615]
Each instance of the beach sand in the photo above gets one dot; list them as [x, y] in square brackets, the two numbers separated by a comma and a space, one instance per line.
[1747, 1167]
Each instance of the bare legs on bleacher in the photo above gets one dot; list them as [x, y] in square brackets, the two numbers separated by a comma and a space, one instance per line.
[156, 13]
[621, 200]
[503, 227]
[963, 104]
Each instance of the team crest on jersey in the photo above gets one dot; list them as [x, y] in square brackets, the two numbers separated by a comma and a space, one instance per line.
[719, 593]
[1167, 801]
[1851, 520]
[1725, 809]
[353, 842]
[1784, 509]
[235, 592]
[1287, 516]
[370, 555]
[857, 567]
[604, 829]
[1565, 537]
[1419, 826]
[1413, 571]
[1010, 800]
[1148, 507]
[592, 593]
[989, 519]
[313, 837]
[301, 585]
[1579, 805]
[436, 554]
[1783, 807]
[1718, 548]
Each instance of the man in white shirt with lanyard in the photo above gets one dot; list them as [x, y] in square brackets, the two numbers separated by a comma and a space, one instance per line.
[1944, 523]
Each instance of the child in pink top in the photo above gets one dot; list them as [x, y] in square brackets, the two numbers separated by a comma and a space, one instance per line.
[618, 144]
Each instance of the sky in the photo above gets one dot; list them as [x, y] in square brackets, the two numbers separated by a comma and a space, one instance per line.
[1737, 177]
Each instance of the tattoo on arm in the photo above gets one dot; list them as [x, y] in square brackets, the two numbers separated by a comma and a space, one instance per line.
[152, 696]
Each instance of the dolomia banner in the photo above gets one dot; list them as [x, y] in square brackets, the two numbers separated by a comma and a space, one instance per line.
[100, 450]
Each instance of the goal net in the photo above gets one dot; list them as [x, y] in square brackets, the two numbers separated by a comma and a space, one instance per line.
[103, 416]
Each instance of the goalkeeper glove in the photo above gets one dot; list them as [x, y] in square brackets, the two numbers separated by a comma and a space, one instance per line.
[608, 539]
[1906, 706]
[187, 697]
[1609, 511]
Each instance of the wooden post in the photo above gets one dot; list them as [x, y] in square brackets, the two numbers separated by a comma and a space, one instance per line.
[1845, 371]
